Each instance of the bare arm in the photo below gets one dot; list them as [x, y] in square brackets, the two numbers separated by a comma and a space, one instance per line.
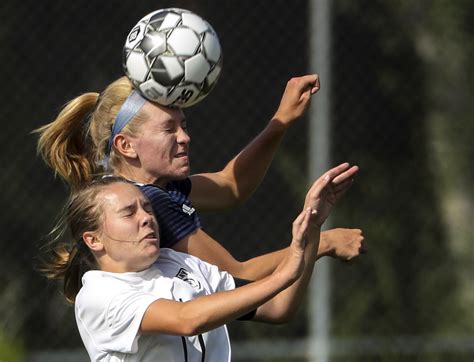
[200, 244]
[208, 312]
[275, 297]
[282, 307]
[241, 176]
[342, 244]
[320, 198]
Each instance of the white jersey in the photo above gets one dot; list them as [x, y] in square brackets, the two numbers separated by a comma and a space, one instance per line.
[110, 306]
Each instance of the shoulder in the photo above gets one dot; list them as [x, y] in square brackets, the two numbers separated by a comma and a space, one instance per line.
[177, 190]
[98, 288]
[183, 186]
[152, 190]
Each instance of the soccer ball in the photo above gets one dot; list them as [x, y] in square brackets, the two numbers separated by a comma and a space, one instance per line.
[173, 57]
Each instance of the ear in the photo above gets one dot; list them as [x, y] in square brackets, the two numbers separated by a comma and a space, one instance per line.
[92, 241]
[123, 146]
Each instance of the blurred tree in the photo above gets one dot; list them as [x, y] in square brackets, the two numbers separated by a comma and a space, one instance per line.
[444, 39]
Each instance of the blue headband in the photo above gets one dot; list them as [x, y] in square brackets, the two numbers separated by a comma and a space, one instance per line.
[129, 109]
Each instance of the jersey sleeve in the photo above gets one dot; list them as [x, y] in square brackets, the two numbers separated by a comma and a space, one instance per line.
[112, 320]
[174, 212]
[124, 316]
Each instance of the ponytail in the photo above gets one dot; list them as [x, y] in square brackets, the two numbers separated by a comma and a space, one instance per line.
[65, 144]
[76, 143]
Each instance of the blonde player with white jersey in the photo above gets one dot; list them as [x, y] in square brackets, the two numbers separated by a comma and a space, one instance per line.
[136, 302]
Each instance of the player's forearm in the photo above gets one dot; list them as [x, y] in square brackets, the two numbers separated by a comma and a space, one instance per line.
[246, 171]
[262, 266]
[211, 311]
[283, 306]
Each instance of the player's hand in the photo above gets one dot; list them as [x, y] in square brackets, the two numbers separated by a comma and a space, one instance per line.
[293, 264]
[296, 98]
[343, 244]
[327, 190]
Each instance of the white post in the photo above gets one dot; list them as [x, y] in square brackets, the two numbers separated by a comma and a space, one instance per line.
[319, 161]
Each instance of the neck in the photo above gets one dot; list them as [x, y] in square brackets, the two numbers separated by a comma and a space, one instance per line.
[110, 265]
[138, 175]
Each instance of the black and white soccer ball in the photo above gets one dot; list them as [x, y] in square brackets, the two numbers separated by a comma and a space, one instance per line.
[173, 57]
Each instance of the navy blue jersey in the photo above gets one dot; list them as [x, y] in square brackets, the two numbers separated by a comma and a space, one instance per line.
[174, 212]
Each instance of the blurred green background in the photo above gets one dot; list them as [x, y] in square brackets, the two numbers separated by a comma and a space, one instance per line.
[402, 109]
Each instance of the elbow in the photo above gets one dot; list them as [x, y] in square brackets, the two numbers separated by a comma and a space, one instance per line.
[276, 316]
[191, 327]
[282, 318]
[188, 330]
[235, 198]
[194, 326]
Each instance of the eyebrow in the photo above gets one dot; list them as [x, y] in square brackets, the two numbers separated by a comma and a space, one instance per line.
[133, 206]
[127, 208]
[174, 122]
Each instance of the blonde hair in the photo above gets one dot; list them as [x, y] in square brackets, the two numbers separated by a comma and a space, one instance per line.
[69, 261]
[75, 143]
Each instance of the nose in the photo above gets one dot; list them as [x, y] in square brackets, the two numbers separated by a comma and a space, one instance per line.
[183, 136]
[146, 218]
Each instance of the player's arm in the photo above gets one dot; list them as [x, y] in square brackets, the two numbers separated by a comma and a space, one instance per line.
[241, 176]
[282, 307]
[203, 246]
[343, 244]
[320, 198]
[209, 312]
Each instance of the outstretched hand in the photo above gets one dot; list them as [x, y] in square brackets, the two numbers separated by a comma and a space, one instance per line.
[327, 190]
[296, 98]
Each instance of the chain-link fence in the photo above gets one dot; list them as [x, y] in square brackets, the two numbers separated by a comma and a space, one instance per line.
[402, 109]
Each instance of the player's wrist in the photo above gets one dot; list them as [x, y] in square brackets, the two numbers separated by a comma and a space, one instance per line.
[325, 248]
[284, 275]
[280, 122]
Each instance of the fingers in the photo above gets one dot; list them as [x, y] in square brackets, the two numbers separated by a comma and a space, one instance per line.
[348, 174]
[338, 170]
[300, 226]
[316, 85]
[312, 83]
[344, 181]
[356, 247]
[338, 175]
[306, 83]
[341, 189]
[327, 177]
[342, 186]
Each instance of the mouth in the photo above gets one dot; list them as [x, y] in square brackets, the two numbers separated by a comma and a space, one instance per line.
[181, 154]
[150, 236]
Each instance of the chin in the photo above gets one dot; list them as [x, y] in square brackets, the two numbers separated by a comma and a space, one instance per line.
[153, 252]
[182, 175]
